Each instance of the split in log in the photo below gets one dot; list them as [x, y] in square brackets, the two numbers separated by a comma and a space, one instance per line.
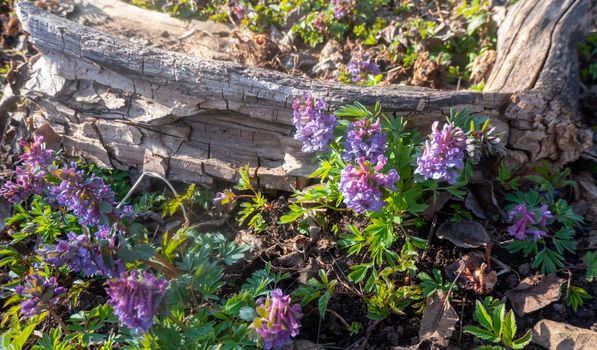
[537, 62]
[120, 104]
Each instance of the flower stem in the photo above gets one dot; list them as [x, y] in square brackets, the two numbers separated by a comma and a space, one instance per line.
[156, 175]
[178, 322]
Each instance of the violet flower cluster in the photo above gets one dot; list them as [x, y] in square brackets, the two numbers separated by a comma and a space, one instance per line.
[82, 255]
[314, 126]
[361, 66]
[42, 292]
[319, 23]
[361, 184]
[443, 154]
[86, 198]
[238, 10]
[365, 139]
[31, 174]
[341, 8]
[135, 298]
[277, 321]
[529, 223]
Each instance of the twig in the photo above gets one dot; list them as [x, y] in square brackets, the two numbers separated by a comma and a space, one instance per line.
[432, 229]
[461, 316]
[57, 318]
[568, 284]
[504, 268]
[340, 318]
[211, 223]
[347, 286]
[365, 339]
[318, 330]
[156, 175]
[160, 263]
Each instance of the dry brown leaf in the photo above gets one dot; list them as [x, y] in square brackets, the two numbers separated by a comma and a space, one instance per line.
[427, 72]
[439, 319]
[61, 8]
[472, 273]
[482, 66]
[295, 260]
[482, 202]
[309, 271]
[561, 336]
[534, 293]
[464, 234]
[433, 206]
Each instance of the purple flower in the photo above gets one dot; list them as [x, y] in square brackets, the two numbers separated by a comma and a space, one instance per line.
[136, 298]
[364, 139]
[42, 292]
[86, 198]
[28, 181]
[80, 254]
[238, 10]
[361, 66]
[341, 8]
[527, 222]
[277, 320]
[443, 154]
[319, 23]
[31, 174]
[361, 184]
[544, 215]
[35, 153]
[314, 127]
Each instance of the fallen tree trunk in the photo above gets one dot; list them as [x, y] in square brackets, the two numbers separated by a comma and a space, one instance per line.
[120, 104]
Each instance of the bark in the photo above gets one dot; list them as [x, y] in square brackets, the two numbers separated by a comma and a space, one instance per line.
[537, 62]
[124, 105]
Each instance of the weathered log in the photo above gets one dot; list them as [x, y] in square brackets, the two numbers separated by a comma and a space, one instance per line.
[124, 105]
[121, 104]
[538, 63]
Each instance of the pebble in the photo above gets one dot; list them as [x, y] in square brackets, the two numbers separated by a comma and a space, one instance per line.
[525, 269]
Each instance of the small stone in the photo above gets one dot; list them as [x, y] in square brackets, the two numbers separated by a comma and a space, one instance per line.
[525, 269]
[562, 336]
[559, 308]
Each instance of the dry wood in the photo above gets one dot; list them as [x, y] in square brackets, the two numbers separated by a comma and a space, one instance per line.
[537, 61]
[124, 105]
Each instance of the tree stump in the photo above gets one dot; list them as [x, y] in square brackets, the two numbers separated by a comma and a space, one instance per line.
[124, 105]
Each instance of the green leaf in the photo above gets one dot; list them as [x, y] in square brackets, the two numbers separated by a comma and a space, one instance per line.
[354, 110]
[475, 22]
[358, 272]
[482, 333]
[549, 261]
[509, 328]
[292, 216]
[322, 304]
[498, 319]
[140, 251]
[523, 341]
[247, 313]
[482, 316]
[590, 260]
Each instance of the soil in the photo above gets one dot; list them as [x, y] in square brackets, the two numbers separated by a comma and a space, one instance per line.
[402, 330]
